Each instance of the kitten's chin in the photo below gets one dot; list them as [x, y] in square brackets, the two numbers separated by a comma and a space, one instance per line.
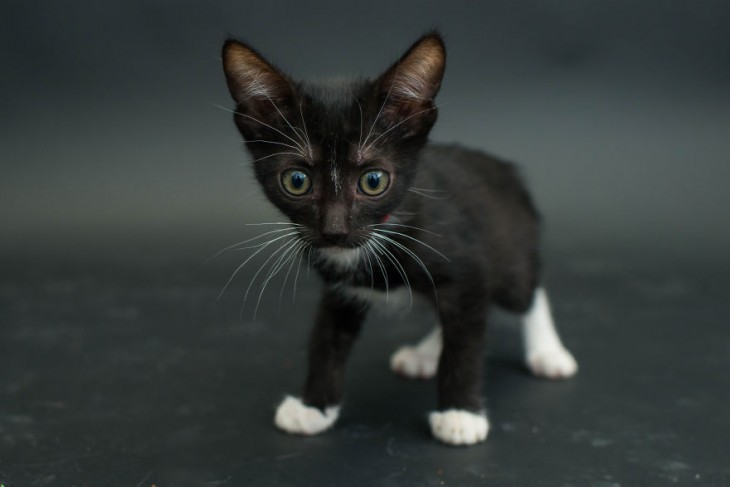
[335, 249]
[340, 257]
[345, 245]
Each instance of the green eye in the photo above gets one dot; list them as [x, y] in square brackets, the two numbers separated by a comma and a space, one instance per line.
[296, 182]
[373, 183]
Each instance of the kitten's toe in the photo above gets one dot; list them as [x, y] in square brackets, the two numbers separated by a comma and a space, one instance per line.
[554, 363]
[459, 427]
[413, 363]
[294, 417]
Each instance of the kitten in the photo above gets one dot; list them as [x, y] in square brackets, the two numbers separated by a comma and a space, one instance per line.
[381, 211]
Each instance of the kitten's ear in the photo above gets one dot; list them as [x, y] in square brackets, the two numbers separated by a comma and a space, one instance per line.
[407, 89]
[253, 82]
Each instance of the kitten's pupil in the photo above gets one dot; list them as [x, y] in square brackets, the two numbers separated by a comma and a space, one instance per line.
[297, 179]
[373, 180]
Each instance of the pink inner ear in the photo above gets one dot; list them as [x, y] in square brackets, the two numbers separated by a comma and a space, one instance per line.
[385, 218]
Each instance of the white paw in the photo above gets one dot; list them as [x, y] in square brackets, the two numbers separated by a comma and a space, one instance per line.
[459, 427]
[294, 417]
[552, 363]
[414, 363]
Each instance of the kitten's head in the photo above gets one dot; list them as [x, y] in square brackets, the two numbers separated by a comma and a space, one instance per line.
[335, 157]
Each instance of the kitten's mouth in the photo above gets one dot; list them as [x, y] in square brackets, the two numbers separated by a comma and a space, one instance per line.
[334, 245]
[331, 247]
[345, 242]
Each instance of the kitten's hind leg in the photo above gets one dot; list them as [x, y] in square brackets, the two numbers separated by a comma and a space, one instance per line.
[419, 361]
[545, 354]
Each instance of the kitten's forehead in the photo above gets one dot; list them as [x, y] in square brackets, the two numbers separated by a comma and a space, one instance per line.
[333, 119]
[333, 94]
[332, 106]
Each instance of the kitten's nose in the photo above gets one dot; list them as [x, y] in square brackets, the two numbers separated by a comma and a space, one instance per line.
[335, 225]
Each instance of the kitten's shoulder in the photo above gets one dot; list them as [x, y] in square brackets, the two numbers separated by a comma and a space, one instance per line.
[447, 158]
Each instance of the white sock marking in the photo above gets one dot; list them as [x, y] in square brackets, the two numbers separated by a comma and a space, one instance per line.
[544, 352]
[459, 427]
[419, 361]
[294, 417]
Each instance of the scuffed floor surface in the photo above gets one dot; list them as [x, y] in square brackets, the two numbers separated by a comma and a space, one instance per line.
[131, 373]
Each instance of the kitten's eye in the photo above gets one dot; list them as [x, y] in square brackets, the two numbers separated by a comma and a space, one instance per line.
[296, 182]
[373, 183]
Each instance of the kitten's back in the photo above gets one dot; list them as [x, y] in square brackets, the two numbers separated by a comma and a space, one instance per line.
[479, 203]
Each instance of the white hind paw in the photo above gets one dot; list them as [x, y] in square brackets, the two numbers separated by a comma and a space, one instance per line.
[294, 417]
[552, 363]
[459, 427]
[414, 363]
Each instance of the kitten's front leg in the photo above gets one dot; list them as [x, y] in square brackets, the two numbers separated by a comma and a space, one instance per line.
[461, 419]
[335, 330]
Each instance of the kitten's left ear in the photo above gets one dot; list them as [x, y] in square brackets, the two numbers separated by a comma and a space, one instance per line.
[407, 89]
[254, 83]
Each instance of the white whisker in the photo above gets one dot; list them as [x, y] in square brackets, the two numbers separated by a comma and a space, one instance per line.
[359, 105]
[292, 260]
[274, 270]
[238, 269]
[426, 195]
[366, 252]
[274, 155]
[261, 267]
[398, 267]
[427, 190]
[296, 276]
[396, 126]
[385, 101]
[273, 142]
[406, 226]
[287, 122]
[382, 268]
[306, 135]
[236, 245]
[300, 148]
[417, 241]
[273, 223]
[413, 256]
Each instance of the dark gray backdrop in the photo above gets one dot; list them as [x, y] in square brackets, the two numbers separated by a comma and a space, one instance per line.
[619, 111]
[119, 176]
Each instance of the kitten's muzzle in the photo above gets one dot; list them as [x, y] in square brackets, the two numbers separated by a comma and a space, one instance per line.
[334, 226]
[334, 238]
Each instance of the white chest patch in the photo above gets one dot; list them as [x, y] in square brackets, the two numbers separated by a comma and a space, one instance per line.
[341, 258]
[393, 300]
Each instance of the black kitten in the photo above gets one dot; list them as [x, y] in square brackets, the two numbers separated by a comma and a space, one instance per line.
[384, 213]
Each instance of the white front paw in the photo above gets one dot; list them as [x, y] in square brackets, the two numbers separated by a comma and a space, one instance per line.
[294, 417]
[552, 363]
[459, 427]
[414, 363]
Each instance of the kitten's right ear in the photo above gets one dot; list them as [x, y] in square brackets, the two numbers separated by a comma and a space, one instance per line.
[253, 82]
[407, 89]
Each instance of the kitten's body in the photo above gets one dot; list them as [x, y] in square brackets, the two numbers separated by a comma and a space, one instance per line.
[475, 214]
[382, 212]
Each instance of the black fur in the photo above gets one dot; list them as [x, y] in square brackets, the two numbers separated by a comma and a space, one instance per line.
[470, 207]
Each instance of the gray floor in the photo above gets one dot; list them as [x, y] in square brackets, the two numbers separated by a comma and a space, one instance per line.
[121, 368]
